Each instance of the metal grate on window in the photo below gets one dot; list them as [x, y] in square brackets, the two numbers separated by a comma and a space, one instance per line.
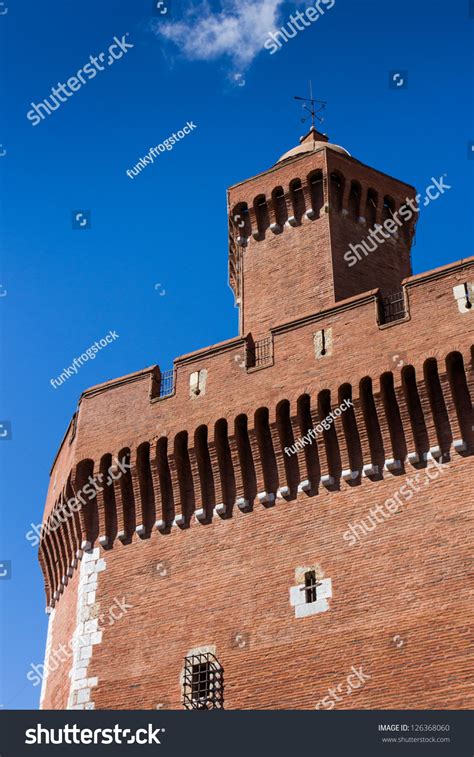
[260, 353]
[167, 383]
[310, 586]
[393, 307]
[203, 685]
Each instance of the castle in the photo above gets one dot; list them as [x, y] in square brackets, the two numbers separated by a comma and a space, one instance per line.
[291, 508]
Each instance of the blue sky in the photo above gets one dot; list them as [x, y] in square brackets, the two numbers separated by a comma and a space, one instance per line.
[153, 264]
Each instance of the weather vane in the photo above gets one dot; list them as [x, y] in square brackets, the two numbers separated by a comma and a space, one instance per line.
[312, 110]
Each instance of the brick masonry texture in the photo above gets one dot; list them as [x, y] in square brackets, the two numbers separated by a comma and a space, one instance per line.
[400, 600]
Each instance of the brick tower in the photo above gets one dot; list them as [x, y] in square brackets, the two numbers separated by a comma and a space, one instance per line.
[282, 520]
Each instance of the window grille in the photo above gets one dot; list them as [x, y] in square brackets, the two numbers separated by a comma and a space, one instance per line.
[260, 353]
[203, 687]
[393, 307]
[167, 383]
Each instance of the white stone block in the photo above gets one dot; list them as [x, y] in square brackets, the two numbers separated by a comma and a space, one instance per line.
[91, 598]
[84, 640]
[121, 536]
[291, 221]
[160, 525]
[460, 445]
[140, 530]
[435, 452]
[304, 486]
[391, 464]
[323, 347]
[413, 458]
[220, 509]
[275, 227]
[79, 673]
[324, 589]
[85, 652]
[92, 682]
[310, 213]
[80, 684]
[464, 302]
[283, 491]
[197, 383]
[87, 568]
[327, 480]
[297, 596]
[83, 696]
[179, 520]
[91, 625]
[200, 514]
[103, 541]
[349, 475]
[370, 470]
[96, 638]
[311, 608]
[86, 546]
[100, 566]
[266, 498]
[243, 504]
[76, 707]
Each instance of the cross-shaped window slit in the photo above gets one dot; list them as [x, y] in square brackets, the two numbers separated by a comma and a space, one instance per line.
[310, 584]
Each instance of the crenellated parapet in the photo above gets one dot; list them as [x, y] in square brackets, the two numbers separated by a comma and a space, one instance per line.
[300, 446]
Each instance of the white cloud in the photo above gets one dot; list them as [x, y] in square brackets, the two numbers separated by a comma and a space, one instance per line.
[237, 31]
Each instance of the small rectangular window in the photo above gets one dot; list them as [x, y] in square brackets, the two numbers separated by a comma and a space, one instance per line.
[203, 687]
[310, 585]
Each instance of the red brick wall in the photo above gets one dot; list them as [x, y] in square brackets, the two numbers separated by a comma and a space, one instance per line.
[405, 581]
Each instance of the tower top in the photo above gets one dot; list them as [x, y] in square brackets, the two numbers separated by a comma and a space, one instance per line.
[313, 141]
[313, 135]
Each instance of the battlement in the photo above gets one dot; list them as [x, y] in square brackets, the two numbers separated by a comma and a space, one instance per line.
[301, 217]
[210, 444]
